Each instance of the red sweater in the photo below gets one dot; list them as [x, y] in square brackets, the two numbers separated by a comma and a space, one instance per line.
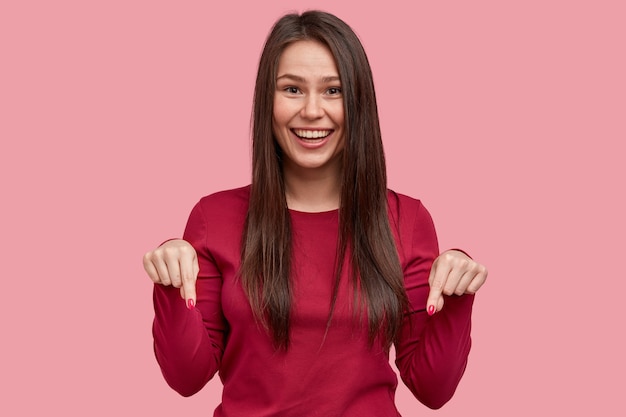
[343, 376]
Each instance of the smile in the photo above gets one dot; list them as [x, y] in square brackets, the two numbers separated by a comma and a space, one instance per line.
[311, 134]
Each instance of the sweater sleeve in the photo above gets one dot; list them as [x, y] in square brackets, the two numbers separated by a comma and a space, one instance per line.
[189, 344]
[432, 351]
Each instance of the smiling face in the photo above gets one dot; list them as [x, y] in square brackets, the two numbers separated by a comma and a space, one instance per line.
[308, 117]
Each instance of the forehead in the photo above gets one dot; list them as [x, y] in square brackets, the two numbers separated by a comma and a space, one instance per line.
[307, 57]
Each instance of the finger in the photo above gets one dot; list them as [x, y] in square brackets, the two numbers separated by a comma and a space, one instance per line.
[173, 268]
[478, 280]
[150, 268]
[162, 271]
[440, 303]
[437, 280]
[435, 292]
[464, 282]
[453, 279]
[189, 273]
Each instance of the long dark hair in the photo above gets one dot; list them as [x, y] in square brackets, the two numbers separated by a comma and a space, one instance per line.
[365, 234]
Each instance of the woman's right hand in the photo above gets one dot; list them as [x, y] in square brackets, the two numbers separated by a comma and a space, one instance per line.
[174, 263]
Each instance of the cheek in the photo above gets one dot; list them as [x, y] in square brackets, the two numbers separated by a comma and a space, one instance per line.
[278, 124]
[278, 127]
[339, 115]
[342, 143]
[275, 124]
[280, 113]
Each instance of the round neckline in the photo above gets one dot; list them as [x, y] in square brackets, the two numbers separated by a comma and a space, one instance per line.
[313, 213]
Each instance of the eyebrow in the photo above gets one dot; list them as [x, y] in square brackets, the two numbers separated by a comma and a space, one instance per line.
[330, 78]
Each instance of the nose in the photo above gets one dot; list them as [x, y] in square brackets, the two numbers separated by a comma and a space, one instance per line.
[313, 107]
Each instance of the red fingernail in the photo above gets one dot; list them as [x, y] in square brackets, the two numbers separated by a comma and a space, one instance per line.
[190, 304]
[431, 310]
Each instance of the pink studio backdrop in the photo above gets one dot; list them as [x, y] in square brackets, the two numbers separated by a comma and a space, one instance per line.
[506, 118]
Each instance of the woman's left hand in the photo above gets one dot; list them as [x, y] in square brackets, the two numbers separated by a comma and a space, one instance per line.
[453, 273]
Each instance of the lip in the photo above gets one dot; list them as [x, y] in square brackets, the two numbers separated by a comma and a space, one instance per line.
[311, 143]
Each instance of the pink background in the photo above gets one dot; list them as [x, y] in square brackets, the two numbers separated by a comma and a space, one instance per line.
[506, 118]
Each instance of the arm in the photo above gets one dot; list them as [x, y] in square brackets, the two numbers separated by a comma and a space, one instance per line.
[188, 339]
[431, 351]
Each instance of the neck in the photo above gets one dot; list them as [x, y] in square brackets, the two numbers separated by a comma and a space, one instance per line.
[312, 191]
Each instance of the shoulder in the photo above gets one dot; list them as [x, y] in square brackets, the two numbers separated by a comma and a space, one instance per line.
[408, 218]
[401, 206]
[217, 221]
[234, 200]
[222, 207]
[218, 214]
[413, 229]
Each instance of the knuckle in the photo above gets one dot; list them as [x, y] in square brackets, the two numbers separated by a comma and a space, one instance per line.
[476, 267]
[464, 263]
[472, 288]
[168, 251]
[449, 257]
[148, 258]
[448, 291]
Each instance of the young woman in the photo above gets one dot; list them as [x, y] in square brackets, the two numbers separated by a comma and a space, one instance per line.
[294, 288]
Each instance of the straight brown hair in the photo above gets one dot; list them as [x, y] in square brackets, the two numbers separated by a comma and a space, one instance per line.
[365, 235]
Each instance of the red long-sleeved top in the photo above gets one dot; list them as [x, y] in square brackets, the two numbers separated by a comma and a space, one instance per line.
[341, 376]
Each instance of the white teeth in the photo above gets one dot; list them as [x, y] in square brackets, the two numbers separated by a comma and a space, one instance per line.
[311, 134]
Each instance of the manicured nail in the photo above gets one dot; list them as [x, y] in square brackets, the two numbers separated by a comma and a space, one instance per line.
[190, 304]
[431, 310]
